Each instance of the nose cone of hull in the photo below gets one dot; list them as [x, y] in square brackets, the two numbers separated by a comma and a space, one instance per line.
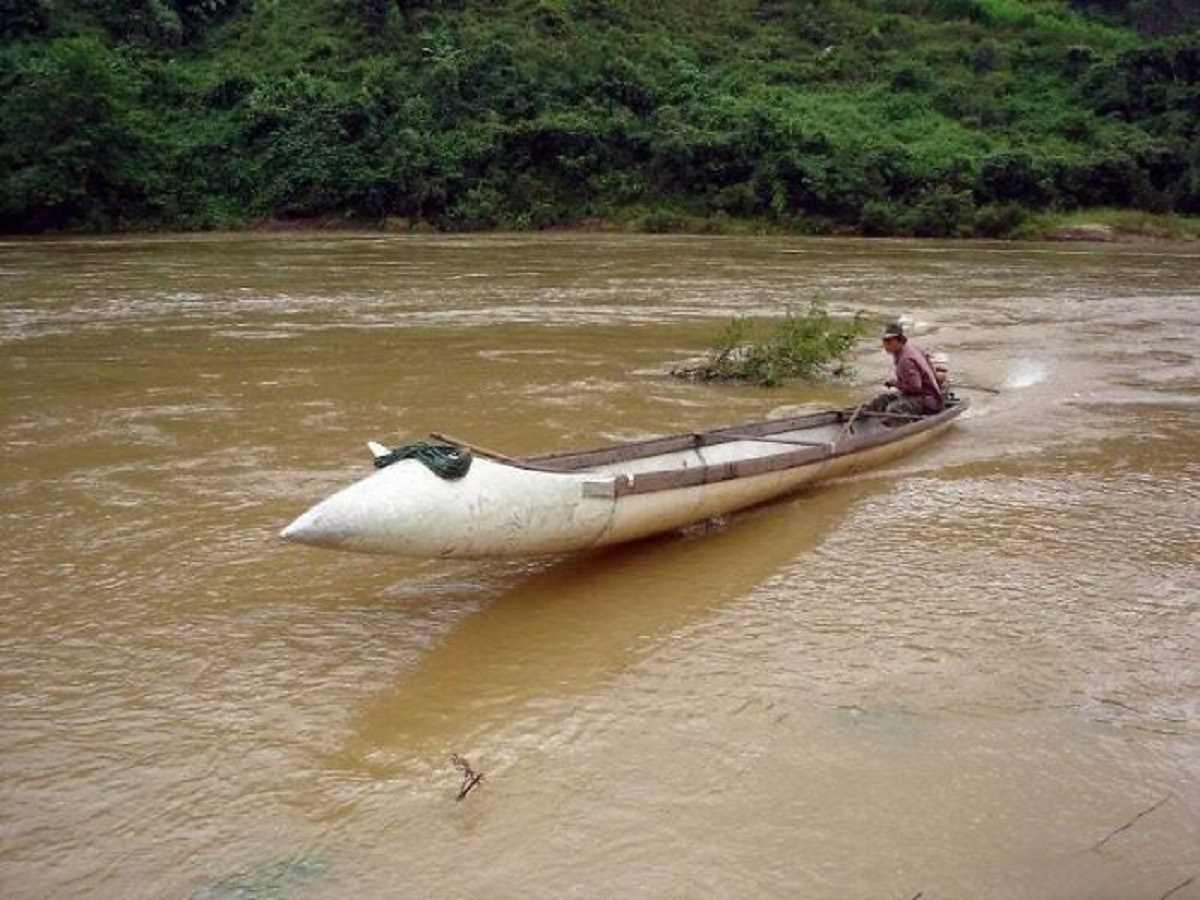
[316, 528]
[391, 511]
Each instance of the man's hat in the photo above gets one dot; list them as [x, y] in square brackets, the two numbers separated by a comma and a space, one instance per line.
[894, 330]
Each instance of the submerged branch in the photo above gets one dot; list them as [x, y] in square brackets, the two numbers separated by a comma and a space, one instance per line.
[1178, 887]
[471, 778]
[1130, 823]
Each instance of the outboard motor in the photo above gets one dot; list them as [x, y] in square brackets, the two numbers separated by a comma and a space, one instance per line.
[940, 363]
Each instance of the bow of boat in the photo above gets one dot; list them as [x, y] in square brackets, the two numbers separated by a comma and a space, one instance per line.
[494, 510]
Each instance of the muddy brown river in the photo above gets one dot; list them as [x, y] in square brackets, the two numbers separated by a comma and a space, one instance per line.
[971, 674]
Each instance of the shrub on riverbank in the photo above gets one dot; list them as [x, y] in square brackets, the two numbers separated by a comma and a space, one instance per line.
[825, 116]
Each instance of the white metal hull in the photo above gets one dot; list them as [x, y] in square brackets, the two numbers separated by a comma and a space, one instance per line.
[496, 510]
[499, 509]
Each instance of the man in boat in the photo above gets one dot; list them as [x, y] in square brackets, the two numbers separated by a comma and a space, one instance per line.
[913, 389]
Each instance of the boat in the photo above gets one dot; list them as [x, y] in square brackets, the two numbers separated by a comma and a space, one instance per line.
[450, 499]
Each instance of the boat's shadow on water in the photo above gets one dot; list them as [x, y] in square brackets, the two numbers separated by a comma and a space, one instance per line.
[567, 629]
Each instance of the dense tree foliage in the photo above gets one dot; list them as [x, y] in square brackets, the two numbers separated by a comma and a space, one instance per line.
[925, 117]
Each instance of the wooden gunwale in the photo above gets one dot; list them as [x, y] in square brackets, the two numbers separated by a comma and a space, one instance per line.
[806, 452]
[671, 479]
[573, 460]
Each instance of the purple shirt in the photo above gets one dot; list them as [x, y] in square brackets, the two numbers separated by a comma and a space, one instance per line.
[914, 378]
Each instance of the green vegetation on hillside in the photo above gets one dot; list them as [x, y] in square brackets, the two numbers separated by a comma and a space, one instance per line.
[879, 117]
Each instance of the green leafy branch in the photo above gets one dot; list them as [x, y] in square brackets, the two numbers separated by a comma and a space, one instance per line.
[801, 345]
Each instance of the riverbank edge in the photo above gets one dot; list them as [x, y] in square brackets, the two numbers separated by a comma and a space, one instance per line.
[1102, 225]
[1108, 226]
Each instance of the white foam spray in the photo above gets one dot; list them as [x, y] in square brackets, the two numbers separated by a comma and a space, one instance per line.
[1023, 373]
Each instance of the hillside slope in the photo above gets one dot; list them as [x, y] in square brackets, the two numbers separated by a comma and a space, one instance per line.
[926, 117]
